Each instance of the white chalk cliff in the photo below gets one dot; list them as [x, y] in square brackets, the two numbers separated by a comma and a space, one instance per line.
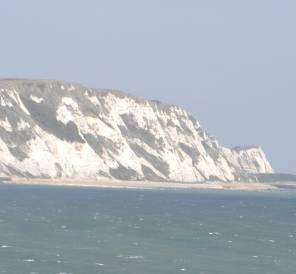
[55, 129]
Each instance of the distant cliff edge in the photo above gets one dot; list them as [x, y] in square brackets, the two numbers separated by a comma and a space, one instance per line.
[53, 129]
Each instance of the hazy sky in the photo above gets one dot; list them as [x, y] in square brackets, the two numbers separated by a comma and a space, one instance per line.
[231, 63]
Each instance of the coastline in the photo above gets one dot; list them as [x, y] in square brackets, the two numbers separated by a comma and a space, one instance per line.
[105, 183]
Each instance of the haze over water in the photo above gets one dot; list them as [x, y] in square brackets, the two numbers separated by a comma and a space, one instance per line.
[87, 230]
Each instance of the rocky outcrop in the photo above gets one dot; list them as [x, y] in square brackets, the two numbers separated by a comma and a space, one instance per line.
[57, 129]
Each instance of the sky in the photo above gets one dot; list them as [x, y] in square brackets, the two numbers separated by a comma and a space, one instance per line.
[231, 63]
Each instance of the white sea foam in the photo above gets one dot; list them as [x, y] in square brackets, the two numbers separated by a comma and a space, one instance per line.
[131, 257]
[29, 260]
[214, 233]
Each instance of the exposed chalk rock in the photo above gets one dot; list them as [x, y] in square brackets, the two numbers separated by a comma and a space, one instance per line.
[57, 129]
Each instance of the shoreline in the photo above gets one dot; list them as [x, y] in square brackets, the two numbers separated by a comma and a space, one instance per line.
[105, 183]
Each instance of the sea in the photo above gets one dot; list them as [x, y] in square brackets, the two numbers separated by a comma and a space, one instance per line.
[63, 230]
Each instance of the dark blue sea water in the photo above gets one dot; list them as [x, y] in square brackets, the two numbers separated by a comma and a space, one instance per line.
[88, 230]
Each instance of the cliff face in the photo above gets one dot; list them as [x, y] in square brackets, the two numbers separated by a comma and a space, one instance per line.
[57, 129]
